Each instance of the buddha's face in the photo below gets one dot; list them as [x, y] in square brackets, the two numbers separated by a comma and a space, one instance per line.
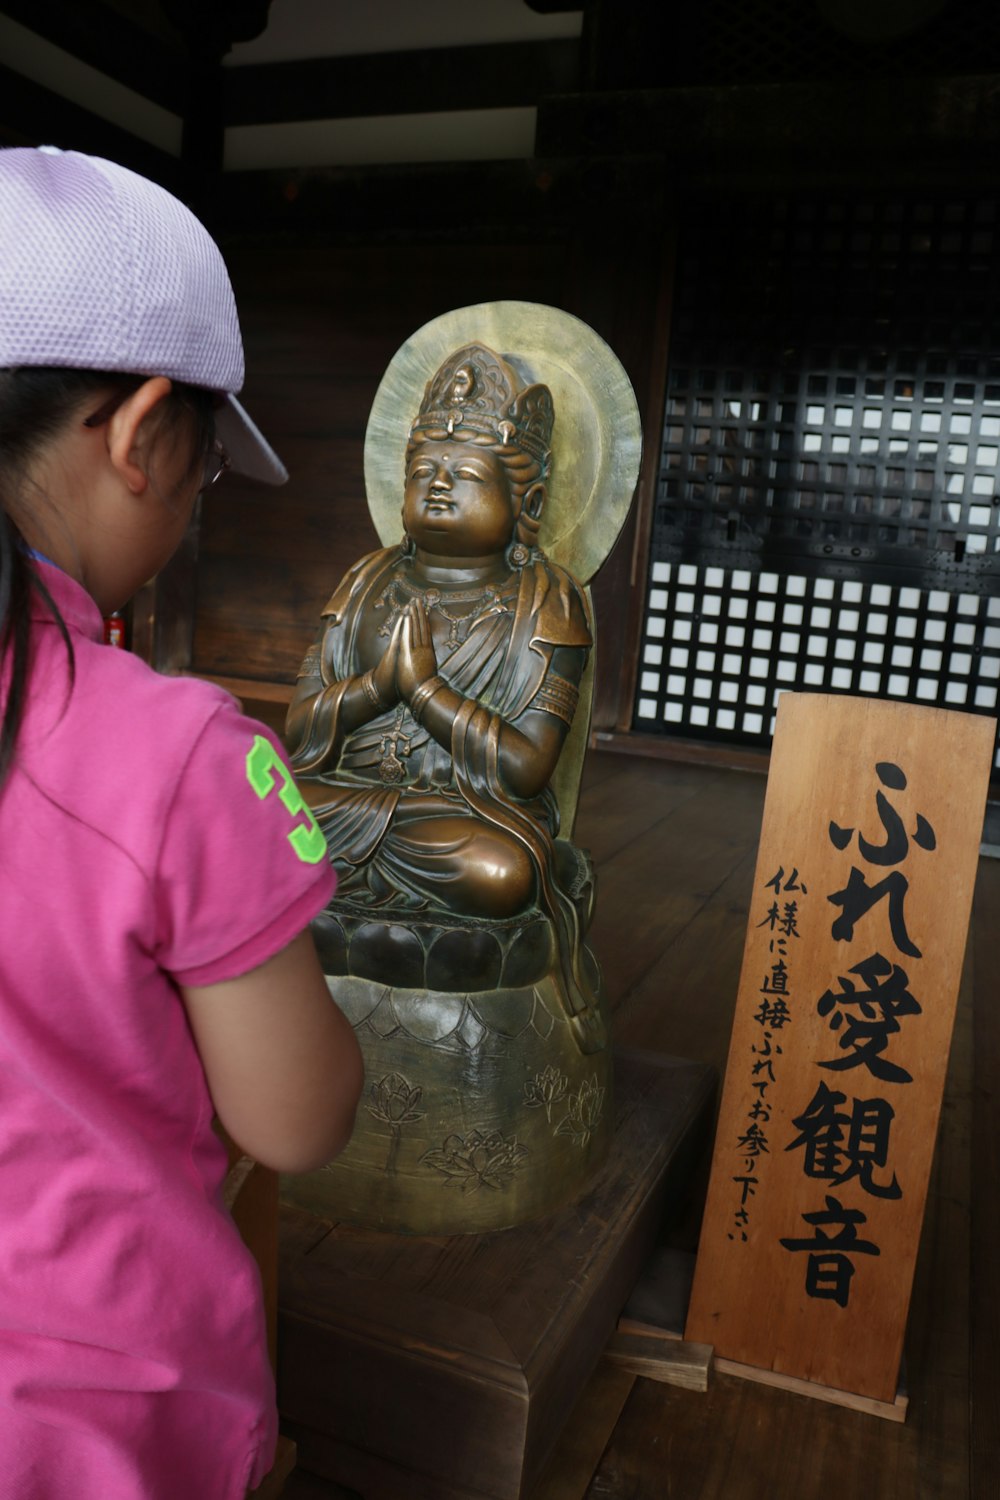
[457, 501]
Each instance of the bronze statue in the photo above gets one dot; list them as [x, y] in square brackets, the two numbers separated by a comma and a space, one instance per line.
[427, 722]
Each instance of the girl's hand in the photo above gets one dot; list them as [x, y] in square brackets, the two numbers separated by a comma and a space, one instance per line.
[416, 660]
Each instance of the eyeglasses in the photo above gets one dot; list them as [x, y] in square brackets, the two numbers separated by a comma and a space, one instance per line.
[214, 464]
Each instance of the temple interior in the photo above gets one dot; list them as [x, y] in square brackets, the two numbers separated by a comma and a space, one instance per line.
[783, 217]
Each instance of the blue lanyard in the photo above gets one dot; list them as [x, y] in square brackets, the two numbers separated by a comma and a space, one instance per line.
[40, 557]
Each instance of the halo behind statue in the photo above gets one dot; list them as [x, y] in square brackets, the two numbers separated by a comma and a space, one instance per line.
[596, 443]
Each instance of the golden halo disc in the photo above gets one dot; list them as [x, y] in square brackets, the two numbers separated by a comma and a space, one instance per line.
[596, 440]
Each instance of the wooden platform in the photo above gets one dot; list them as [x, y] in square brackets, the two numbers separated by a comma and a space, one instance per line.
[445, 1368]
[675, 849]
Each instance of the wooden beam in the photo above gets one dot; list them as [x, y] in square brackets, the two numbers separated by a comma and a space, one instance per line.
[732, 756]
[505, 75]
[802, 125]
[890, 1411]
[102, 36]
[657, 1357]
[503, 202]
[31, 115]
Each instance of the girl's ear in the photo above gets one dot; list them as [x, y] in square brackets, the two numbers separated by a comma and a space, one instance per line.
[129, 431]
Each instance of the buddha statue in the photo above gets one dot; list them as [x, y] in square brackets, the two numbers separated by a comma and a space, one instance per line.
[426, 725]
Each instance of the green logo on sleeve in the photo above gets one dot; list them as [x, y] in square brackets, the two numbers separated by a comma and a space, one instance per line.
[264, 770]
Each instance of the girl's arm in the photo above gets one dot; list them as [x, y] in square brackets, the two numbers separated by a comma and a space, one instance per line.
[282, 1062]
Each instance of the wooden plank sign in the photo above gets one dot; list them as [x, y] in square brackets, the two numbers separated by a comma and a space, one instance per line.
[853, 956]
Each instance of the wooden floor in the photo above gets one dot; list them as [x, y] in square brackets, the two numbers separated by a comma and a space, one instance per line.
[675, 846]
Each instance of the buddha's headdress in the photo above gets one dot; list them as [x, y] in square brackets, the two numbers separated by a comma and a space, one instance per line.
[477, 392]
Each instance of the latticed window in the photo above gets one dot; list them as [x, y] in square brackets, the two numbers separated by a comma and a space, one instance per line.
[828, 515]
[794, 41]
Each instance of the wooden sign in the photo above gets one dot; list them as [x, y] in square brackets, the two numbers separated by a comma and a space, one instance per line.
[853, 956]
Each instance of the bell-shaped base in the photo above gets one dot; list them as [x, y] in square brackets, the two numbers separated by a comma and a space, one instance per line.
[480, 1111]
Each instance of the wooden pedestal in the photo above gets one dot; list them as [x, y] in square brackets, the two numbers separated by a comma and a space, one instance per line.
[443, 1368]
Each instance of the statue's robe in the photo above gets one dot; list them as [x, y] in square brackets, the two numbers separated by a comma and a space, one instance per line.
[372, 821]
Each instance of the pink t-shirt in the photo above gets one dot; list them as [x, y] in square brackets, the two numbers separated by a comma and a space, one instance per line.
[150, 837]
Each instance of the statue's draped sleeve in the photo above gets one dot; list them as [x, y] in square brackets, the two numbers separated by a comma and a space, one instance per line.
[551, 612]
[321, 736]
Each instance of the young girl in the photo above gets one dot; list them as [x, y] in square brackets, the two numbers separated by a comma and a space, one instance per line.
[157, 874]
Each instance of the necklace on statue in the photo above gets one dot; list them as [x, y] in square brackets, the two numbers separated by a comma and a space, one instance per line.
[491, 598]
[461, 626]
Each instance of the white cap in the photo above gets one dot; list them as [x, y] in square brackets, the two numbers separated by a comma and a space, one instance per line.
[101, 269]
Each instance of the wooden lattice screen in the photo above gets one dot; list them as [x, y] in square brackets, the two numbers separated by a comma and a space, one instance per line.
[828, 514]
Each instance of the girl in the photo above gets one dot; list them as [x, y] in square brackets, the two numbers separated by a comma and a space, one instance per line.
[157, 874]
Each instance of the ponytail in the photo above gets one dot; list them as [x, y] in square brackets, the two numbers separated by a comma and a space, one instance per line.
[15, 591]
[35, 404]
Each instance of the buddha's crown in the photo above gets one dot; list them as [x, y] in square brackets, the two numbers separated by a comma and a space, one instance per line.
[476, 390]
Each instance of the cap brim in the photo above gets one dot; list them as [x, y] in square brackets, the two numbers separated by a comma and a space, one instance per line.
[248, 450]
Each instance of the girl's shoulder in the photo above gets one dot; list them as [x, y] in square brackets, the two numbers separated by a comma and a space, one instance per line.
[117, 739]
[146, 712]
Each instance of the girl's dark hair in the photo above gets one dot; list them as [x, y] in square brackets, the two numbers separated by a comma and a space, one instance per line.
[35, 405]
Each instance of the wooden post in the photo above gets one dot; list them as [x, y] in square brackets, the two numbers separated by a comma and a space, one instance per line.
[840, 1041]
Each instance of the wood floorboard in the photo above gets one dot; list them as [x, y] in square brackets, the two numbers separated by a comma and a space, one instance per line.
[675, 849]
[654, 885]
[597, 768]
[626, 804]
[938, 1333]
[740, 1441]
[684, 1002]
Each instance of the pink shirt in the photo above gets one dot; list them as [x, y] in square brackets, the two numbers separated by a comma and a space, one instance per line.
[150, 837]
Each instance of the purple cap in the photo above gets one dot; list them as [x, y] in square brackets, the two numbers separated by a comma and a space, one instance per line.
[101, 269]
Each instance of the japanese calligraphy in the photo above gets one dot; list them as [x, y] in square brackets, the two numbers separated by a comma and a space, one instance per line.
[847, 1140]
[857, 898]
[867, 1017]
[772, 1015]
[829, 1269]
[841, 1144]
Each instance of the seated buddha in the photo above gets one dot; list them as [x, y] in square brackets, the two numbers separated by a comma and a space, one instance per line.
[430, 712]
